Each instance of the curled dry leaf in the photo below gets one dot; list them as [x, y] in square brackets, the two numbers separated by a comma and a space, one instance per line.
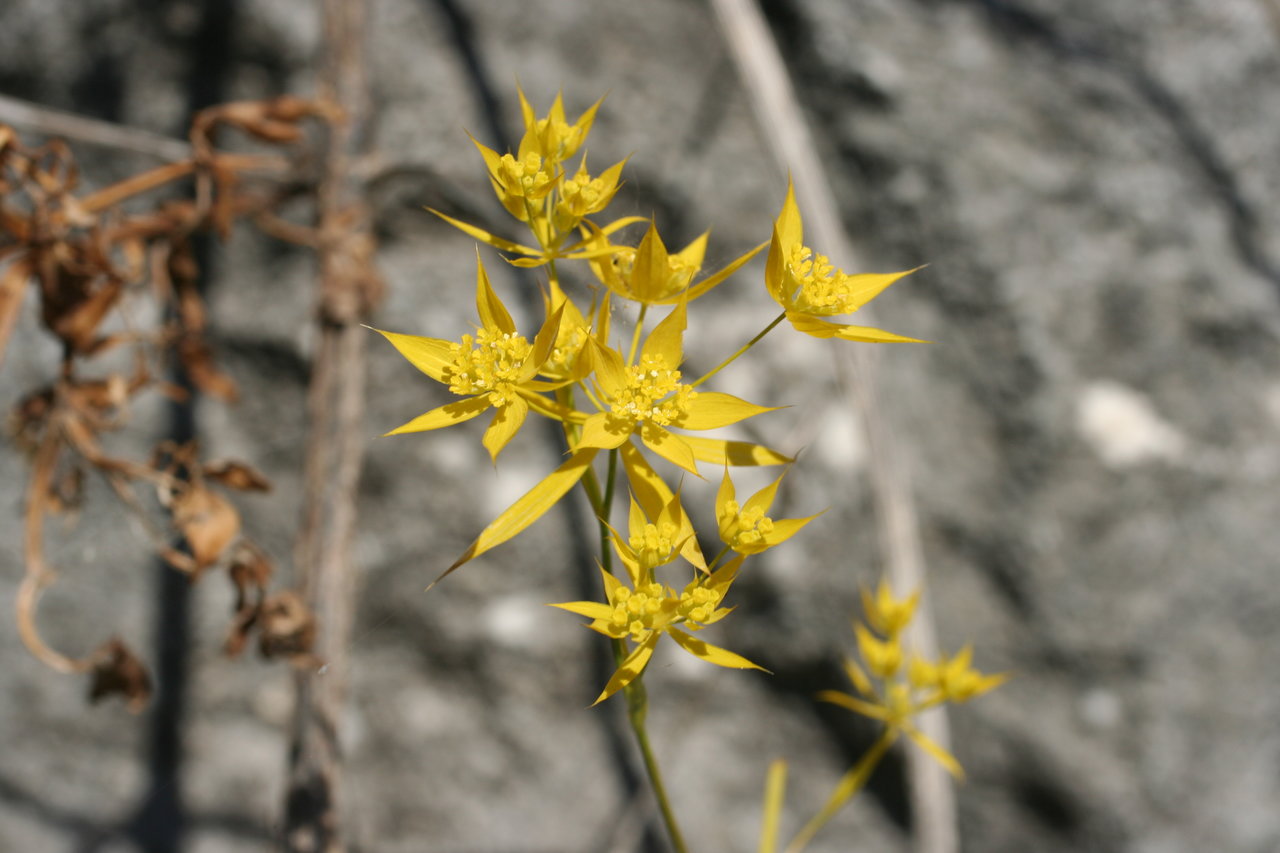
[250, 571]
[118, 671]
[287, 629]
[197, 360]
[207, 521]
[236, 475]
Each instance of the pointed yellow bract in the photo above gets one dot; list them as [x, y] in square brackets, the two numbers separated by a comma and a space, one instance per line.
[650, 275]
[809, 289]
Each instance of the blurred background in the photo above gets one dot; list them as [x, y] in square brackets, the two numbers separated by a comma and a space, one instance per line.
[1091, 440]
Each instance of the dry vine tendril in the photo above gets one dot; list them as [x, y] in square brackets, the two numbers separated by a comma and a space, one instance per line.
[88, 259]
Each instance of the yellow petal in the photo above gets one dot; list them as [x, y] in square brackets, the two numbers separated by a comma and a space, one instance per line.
[716, 278]
[693, 254]
[666, 341]
[670, 447]
[763, 499]
[487, 238]
[493, 314]
[723, 577]
[630, 668]
[713, 409]
[610, 371]
[851, 703]
[788, 231]
[711, 654]
[785, 528]
[430, 355]
[775, 788]
[946, 759]
[819, 328]
[604, 431]
[506, 422]
[724, 518]
[589, 609]
[446, 415]
[863, 287]
[651, 268]
[788, 224]
[543, 344]
[650, 490]
[737, 453]
[550, 408]
[849, 784]
[859, 678]
[528, 509]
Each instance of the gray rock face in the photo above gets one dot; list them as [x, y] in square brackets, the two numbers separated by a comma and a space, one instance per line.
[1091, 436]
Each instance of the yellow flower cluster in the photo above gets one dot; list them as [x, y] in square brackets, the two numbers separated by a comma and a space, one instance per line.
[624, 401]
[901, 695]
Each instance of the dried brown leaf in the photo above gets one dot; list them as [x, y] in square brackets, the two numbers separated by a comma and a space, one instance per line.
[287, 629]
[197, 359]
[236, 475]
[207, 521]
[118, 671]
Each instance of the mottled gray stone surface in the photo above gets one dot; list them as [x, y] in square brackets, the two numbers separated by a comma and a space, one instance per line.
[1092, 437]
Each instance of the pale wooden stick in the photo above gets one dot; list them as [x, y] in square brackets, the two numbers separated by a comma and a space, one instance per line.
[785, 127]
[314, 806]
[51, 122]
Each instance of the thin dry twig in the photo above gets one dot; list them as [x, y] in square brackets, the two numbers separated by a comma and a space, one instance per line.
[784, 125]
[348, 288]
[51, 122]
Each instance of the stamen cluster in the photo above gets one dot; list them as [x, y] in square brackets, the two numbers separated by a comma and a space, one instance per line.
[489, 363]
[652, 394]
[822, 289]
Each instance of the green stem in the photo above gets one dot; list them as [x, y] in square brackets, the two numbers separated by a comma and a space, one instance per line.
[637, 707]
[637, 696]
[635, 336]
[748, 345]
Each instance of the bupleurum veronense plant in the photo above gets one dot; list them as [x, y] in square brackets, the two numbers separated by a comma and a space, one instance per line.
[623, 401]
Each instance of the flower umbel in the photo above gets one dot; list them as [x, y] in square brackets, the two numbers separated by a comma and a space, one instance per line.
[745, 528]
[490, 370]
[647, 610]
[804, 283]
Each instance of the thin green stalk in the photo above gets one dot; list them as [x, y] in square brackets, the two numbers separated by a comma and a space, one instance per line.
[637, 708]
[637, 696]
[845, 789]
[635, 336]
[748, 345]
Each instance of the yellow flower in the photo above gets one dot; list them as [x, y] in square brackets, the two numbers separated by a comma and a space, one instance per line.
[649, 274]
[648, 398]
[644, 611]
[885, 613]
[955, 680]
[808, 289]
[492, 369]
[552, 137]
[926, 684]
[583, 195]
[746, 528]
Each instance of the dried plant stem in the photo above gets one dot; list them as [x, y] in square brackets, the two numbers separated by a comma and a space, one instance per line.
[38, 575]
[780, 117]
[334, 451]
